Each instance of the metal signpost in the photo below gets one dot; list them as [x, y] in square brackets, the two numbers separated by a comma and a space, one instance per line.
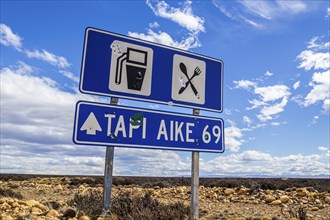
[194, 202]
[108, 172]
[124, 67]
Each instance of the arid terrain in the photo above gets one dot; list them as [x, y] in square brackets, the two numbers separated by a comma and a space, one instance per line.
[69, 197]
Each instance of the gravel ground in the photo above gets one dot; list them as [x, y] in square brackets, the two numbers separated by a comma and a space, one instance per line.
[33, 197]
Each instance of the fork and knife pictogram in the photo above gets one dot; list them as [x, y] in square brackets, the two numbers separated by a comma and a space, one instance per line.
[197, 72]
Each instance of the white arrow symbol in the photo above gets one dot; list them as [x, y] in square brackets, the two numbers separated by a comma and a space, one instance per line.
[91, 125]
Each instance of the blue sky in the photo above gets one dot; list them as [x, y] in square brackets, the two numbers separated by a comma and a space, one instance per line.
[276, 87]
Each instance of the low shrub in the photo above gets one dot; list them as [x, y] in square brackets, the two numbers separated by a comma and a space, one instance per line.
[88, 202]
[300, 214]
[5, 192]
[128, 207]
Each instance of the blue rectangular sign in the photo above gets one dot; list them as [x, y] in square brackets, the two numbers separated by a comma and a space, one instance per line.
[125, 67]
[101, 124]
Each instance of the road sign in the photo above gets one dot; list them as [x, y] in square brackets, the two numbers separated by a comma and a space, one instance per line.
[101, 124]
[125, 67]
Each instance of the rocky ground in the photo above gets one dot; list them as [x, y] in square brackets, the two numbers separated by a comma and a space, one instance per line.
[32, 197]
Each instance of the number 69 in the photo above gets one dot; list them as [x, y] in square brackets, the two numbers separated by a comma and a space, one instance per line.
[216, 131]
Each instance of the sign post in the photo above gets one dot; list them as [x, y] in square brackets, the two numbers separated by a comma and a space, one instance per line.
[107, 188]
[194, 202]
[108, 172]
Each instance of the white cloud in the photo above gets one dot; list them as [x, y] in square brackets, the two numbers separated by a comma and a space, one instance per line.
[230, 12]
[315, 119]
[317, 55]
[267, 112]
[235, 13]
[316, 44]
[145, 162]
[296, 85]
[326, 106]
[260, 14]
[321, 88]
[292, 7]
[183, 16]
[275, 123]
[48, 57]
[48, 160]
[247, 120]
[269, 97]
[316, 60]
[43, 112]
[140, 162]
[227, 111]
[23, 157]
[322, 148]
[244, 84]
[154, 25]
[253, 127]
[272, 10]
[253, 23]
[255, 104]
[268, 73]
[298, 99]
[261, 8]
[256, 163]
[8, 38]
[233, 138]
[166, 39]
[89, 161]
[70, 75]
[272, 93]
[252, 155]
[269, 104]
[328, 12]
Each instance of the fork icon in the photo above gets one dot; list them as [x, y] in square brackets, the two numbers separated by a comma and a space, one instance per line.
[197, 72]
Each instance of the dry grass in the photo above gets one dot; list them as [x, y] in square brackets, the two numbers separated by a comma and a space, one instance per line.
[89, 203]
[5, 192]
[128, 207]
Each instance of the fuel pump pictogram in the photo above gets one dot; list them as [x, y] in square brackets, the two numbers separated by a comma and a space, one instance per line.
[131, 68]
